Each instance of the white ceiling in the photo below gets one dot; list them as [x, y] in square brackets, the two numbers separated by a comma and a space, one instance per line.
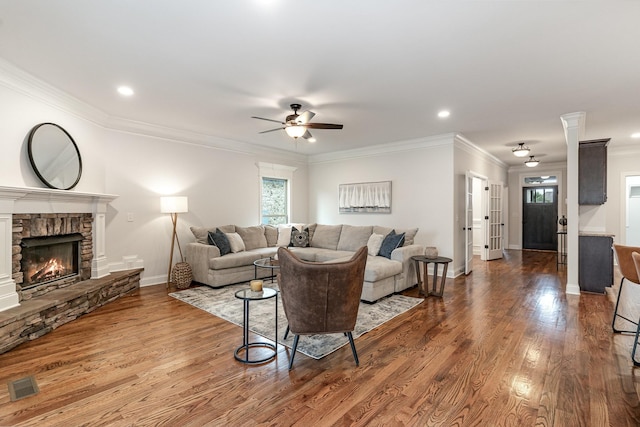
[507, 70]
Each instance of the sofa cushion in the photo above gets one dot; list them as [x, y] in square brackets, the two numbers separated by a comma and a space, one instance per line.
[284, 236]
[327, 255]
[236, 243]
[271, 234]
[253, 237]
[353, 237]
[219, 239]
[390, 243]
[409, 233]
[202, 233]
[239, 259]
[326, 236]
[374, 244]
[299, 238]
[379, 268]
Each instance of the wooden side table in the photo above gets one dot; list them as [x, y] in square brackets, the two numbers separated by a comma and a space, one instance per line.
[423, 285]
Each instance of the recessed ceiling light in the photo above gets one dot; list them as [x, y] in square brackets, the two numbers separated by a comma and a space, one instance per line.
[635, 135]
[312, 139]
[125, 91]
[443, 114]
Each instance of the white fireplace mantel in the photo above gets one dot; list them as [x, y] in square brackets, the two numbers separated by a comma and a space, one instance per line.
[17, 200]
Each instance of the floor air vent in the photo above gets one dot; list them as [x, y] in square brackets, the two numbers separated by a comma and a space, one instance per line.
[24, 387]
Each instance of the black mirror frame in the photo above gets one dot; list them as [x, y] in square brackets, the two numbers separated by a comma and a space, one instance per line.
[35, 167]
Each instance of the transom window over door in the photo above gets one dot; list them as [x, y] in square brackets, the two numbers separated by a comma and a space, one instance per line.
[275, 201]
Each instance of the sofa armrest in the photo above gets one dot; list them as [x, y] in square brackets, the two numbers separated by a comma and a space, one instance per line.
[198, 256]
[404, 253]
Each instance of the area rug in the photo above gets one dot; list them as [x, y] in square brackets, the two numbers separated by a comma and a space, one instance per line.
[222, 302]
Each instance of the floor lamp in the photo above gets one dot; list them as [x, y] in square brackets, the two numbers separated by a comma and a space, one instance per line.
[173, 205]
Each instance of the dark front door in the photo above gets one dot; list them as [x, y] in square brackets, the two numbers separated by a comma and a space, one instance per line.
[539, 217]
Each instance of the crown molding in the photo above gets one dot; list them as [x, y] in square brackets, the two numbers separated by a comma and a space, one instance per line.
[195, 138]
[381, 149]
[28, 85]
[468, 146]
[541, 167]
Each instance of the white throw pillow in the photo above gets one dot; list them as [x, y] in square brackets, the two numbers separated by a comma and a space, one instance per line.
[284, 236]
[374, 243]
[236, 242]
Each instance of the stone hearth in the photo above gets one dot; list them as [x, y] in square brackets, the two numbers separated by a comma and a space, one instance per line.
[31, 212]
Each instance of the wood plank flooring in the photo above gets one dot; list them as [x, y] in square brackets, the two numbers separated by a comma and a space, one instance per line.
[504, 347]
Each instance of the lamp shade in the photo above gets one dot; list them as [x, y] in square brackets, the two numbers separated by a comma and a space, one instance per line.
[295, 131]
[174, 204]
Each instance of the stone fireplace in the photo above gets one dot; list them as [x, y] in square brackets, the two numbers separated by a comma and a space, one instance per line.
[39, 212]
[50, 251]
[53, 266]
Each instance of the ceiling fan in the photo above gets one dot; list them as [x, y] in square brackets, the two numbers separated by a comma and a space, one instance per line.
[297, 125]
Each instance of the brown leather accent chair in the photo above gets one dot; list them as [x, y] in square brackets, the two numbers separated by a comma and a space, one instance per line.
[321, 298]
[624, 255]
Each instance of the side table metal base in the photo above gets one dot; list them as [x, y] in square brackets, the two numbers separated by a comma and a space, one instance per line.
[245, 347]
[242, 353]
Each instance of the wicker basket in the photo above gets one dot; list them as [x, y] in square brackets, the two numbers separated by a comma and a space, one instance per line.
[181, 275]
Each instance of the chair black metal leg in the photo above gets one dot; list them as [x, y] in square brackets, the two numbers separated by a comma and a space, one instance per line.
[293, 350]
[286, 333]
[615, 311]
[635, 346]
[353, 348]
[616, 315]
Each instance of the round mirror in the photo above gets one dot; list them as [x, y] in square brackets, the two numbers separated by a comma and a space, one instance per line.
[54, 156]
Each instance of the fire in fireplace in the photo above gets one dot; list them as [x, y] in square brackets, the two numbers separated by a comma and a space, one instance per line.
[45, 259]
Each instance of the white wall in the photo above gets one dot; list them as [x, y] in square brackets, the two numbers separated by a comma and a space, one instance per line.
[420, 172]
[222, 184]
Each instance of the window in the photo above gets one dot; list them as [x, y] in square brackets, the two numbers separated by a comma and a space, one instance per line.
[539, 195]
[276, 183]
[275, 201]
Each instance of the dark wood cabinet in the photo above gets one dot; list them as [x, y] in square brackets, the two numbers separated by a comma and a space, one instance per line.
[595, 271]
[592, 172]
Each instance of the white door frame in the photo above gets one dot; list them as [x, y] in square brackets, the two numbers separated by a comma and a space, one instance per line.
[624, 204]
[469, 226]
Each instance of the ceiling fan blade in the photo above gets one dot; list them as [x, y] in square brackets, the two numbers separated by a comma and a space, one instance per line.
[323, 126]
[307, 135]
[304, 117]
[271, 130]
[269, 120]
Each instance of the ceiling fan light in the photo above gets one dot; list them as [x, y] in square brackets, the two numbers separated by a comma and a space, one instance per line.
[521, 150]
[295, 131]
[532, 162]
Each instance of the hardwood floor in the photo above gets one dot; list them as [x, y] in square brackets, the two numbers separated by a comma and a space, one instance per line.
[504, 347]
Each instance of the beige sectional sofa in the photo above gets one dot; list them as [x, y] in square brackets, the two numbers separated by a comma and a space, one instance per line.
[327, 243]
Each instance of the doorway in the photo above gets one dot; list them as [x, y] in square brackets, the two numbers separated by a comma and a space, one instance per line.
[632, 220]
[539, 217]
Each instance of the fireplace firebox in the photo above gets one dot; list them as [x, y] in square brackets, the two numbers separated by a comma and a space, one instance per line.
[47, 259]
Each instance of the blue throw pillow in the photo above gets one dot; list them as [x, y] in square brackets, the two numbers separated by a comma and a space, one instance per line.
[220, 240]
[391, 242]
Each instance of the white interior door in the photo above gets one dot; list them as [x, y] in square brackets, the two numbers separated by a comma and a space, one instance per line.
[493, 245]
[468, 227]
